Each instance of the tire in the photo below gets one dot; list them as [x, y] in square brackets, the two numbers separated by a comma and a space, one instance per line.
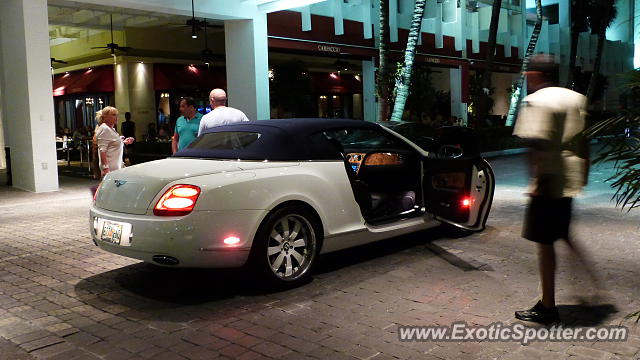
[281, 258]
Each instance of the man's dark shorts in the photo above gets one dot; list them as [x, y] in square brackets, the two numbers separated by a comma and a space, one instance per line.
[547, 219]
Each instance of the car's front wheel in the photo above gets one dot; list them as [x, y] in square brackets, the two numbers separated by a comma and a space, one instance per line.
[286, 245]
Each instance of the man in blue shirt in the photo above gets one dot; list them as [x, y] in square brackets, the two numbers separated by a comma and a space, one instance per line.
[187, 125]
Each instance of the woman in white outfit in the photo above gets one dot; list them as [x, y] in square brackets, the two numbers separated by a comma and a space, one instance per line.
[110, 143]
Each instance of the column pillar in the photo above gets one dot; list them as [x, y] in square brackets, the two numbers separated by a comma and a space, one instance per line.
[28, 110]
[459, 84]
[3, 164]
[369, 90]
[121, 82]
[142, 98]
[247, 58]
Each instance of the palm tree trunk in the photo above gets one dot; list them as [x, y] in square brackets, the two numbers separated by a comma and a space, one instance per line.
[578, 24]
[483, 103]
[596, 67]
[575, 35]
[383, 83]
[402, 87]
[515, 101]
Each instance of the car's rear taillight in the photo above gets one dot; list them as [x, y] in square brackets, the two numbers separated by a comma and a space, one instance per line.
[177, 201]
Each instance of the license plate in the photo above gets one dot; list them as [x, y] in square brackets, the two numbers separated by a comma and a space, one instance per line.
[111, 232]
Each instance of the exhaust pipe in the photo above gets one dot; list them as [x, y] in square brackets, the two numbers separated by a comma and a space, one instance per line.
[165, 260]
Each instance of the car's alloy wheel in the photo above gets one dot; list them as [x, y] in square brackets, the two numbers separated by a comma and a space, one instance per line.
[291, 247]
[286, 245]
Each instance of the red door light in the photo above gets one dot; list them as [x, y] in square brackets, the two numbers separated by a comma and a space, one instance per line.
[466, 202]
[179, 200]
[232, 240]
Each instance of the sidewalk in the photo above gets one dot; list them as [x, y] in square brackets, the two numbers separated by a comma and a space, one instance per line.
[63, 298]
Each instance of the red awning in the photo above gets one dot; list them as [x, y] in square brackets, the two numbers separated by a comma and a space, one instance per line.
[175, 76]
[334, 83]
[93, 80]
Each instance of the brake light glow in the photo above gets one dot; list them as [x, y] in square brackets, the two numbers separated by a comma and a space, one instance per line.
[231, 240]
[179, 200]
[466, 202]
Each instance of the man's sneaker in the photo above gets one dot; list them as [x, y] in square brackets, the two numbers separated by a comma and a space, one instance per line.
[540, 314]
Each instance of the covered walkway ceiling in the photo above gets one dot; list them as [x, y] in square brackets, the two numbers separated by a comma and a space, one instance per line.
[70, 20]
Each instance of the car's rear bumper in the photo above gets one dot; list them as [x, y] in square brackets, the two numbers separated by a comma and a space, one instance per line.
[194, 258]
[195, 240]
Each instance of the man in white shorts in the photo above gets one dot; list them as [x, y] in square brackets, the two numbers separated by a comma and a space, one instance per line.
[220, 114]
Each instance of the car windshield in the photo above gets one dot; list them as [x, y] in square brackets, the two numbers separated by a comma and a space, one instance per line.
[231, 140]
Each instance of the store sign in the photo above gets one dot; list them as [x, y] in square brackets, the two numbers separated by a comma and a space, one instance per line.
[329, 48]
[432, 60]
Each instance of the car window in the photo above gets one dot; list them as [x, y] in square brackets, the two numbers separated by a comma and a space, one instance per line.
[363, 140]
[229, 140]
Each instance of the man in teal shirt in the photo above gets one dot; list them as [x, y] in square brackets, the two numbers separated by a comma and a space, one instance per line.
[187, 125]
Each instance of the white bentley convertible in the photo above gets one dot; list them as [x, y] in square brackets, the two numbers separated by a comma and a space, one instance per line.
[277, 193]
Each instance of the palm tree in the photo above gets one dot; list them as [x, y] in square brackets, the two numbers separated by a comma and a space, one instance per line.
[385, 73]
[601, 14]
[515, 101]
[483, 93]
[623, 145]
[404, 80]
[622, 149]
[578, 24]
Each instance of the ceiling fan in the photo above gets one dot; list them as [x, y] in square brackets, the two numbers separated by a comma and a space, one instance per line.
[195, 24]
[208, 57]
[54, 60]
[112, 45]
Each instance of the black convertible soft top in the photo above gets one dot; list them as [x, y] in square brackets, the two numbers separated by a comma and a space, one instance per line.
[280, 140]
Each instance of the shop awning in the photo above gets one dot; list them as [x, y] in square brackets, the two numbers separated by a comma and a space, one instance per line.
[92, 80]
[176, 76]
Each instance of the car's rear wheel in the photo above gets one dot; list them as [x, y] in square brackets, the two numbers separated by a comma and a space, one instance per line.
[286, 245]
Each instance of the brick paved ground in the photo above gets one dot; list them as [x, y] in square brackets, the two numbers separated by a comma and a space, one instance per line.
[62, 298]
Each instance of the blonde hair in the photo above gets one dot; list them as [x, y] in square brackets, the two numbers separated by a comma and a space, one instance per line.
[105, 111]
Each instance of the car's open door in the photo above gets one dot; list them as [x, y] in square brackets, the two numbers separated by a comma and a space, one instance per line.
[458, 183]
